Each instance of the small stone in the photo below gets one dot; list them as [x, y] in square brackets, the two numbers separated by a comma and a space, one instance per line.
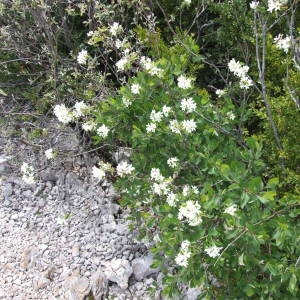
[142, 267]
[40, 282]
[75, 250]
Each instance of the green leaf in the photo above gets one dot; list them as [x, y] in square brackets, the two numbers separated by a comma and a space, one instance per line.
[249, 290]
[255, 184]
[292, 284]
[2, 93]
[273, 183]
[241, 260]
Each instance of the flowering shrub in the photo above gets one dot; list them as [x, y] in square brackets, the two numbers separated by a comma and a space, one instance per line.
[196, 188]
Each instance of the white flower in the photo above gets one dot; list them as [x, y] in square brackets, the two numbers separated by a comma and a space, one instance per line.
[89, 126]
[184, 82]
[230, 115]
[146, 63]
[166, 110]
[156, 116]
[28, 178]
[213, 251]
[155, 71]
[82, 57]
[173, 162]
[188, 105]
[187, 2]
[119, 44]
[135, 88]
[124, 168]
[189, 125]
[121, 64]
[63, 114]
[174, 126]
[276, 4]
[98, 173]
[245, 82]
[220, 93]
[90, 33]
[231, 210]
[80, 109]
[156, 175]
[151, 127]
[283, 43]
[237, 68]
[49, 154]
[25, 168]
[184, 254]
[187, 190]
[115, 28]
[103, 131]
[126, 102]
[254, 4]
[172, 199]
[191, 212]
[161, 188]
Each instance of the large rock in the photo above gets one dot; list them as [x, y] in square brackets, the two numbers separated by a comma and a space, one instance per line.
[142, 267]
[193, 293]
[118, 271]
[78, 287]
[99, 285]
[5, 168]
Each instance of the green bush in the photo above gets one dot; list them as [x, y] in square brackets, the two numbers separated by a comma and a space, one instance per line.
[215, 220]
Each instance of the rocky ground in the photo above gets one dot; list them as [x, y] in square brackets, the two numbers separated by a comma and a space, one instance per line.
[65, 236]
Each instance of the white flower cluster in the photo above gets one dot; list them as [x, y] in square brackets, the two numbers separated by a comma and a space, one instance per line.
[173, 162]
[188, 190]
[213, 251]
[49, 154]
[127, 102]
[157, 116]
[124, 168]
[161, 186]
[172, 199]
[63, 114]
[184, 254]
[103, 131]
[187, 2]
[231, 210]
[188, 105]
[150, 67]
[82, 57]
[283, 43]
[254, 4]
[89, 126]
[28, 176]
[122, 63]
[188, 126]
[276, 4]
[115, 29]
[220, 93]
[99, 173]
[66, 115]
[135, 88]
[184, 82]
[240, 71]
[190, 211]
[80, 109]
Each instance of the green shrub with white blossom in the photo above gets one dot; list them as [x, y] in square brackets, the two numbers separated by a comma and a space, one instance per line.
[208, 107]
